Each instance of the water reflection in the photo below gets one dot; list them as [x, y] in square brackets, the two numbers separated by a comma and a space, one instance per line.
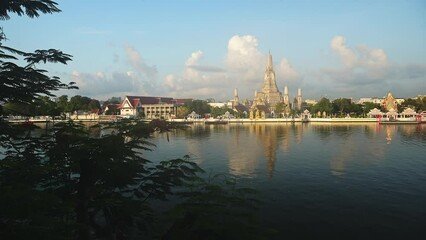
[254, 142]
[265, 150]
[243, 153]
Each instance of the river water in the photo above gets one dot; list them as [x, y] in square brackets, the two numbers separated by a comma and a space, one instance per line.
[347, 181]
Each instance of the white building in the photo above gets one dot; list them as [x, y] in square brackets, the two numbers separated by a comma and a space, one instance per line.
[219, 104]
[372, 100]
[150, 107]
[311, 101]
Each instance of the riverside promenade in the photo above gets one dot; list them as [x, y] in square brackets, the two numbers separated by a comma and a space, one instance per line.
[279, 120]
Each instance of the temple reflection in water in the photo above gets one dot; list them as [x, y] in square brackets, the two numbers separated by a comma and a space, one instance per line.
[260, 150]
[260, 141]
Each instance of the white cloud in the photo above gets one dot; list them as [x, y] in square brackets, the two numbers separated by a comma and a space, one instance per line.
[245, 61]
[347, 55]
[137, 62]
[197, 80]
[195, 57]
[244, 68]
[138, 79]
[243, 53]
[367, 72]
[360, 56]
[103, 85]
[287, 72]
[372, 58]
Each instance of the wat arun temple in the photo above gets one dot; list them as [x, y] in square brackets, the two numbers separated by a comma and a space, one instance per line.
[269, 96]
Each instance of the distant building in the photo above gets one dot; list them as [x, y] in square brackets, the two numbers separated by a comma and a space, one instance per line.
[372, 100]
[218, 104]
[236, 100]
[311, 101]
[241, 109]
[390, 103]
[299, 99]
[150, 107]
[378, 100]
[269, 96]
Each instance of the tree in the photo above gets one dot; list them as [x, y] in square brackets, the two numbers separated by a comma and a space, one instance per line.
[94, 105]
[62, 103]
[182, 111]
[368, 106]
[418, 104]
[324, 105]
[18, 109]
[24, 84]
[279, 108]
[79, 103]
[114, 100]
[67, 183]
[342, 106]
[26, 206]
[217, 111]
[112, 109]
[199, 106]
[45, 107]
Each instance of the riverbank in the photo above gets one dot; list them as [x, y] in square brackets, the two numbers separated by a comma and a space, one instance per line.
[231, 120]
[278, 120]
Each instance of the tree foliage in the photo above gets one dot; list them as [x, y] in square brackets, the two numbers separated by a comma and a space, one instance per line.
[74, 182]
[368, 106]
[324, 105]
[199, 106]
[101, 182]
[279, 108]
[217, 111]
[30, 8]
[182, 111]
[417, 104]
[22, 84]
[342, 106]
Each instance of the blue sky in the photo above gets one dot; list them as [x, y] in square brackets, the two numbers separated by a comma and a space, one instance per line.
[205, 49]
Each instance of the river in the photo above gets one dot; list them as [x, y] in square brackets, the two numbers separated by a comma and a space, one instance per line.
[347, 181]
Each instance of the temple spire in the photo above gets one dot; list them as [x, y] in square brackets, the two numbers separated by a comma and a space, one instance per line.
[269, 95]
[286, 98]
[299, 99]
[270, 64]
[236, 101]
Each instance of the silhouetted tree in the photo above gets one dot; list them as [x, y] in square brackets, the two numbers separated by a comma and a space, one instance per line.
[72, 182]
[94, 105]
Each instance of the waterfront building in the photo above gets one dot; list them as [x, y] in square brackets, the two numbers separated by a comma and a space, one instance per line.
[150, 107]
[374, 113]
[390, 103]
[269, 95]
[408, 113]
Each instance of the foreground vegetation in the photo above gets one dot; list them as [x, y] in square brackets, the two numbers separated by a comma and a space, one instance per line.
[75, 182]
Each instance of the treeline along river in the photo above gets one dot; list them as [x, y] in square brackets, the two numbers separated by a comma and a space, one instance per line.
[352, 181]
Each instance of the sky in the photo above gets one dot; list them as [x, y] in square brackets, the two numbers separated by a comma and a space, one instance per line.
[206, 49]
